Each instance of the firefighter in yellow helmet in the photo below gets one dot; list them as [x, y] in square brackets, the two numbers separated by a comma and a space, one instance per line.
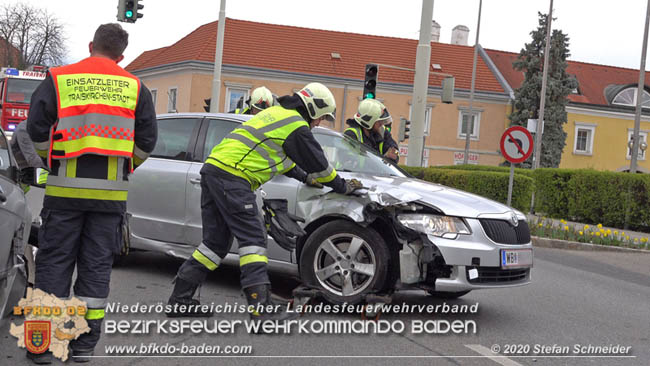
[276, 141]
[368, 127]
[261, 98]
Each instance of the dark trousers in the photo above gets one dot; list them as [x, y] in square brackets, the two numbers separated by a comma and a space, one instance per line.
[228, 209]
[87, 240]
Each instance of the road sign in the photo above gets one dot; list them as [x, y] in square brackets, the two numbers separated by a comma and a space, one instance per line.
[516, 144]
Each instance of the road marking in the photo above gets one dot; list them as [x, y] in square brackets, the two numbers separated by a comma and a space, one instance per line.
[502, 360]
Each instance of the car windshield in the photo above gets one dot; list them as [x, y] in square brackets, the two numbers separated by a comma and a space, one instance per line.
[20, 90]
[349, 155]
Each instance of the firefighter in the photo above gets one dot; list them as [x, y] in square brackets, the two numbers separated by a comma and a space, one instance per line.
[369, 127]
[278, 140]
[260, 99]
[97, 139]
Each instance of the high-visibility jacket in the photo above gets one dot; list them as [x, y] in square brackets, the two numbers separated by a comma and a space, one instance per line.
[254, 150]
[246, 110]
[96, 102]
[359, 134]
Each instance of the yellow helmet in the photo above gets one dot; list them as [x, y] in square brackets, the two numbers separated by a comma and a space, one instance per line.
[368, 113]
[261, 98]
[319, 101]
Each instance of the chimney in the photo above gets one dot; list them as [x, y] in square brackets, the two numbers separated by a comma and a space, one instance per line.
[435, 31]
[459, 35]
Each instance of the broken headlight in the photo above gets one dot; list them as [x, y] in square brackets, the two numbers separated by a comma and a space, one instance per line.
[447, 227]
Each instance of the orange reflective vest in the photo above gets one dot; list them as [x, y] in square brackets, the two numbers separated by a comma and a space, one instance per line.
[96, 102]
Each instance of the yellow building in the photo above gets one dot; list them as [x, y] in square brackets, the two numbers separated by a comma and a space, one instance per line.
[180, 78]
[600, 114]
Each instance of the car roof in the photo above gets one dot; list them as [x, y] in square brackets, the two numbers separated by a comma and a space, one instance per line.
[234, 116]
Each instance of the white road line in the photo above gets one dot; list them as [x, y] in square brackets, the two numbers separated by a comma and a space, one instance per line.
[502, 360]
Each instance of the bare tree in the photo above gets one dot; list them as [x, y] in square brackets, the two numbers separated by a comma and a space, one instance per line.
[37, 34]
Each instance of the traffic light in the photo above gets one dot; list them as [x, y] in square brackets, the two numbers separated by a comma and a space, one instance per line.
[207, 104]
[127, 10]
[403, 129]
[370, 83]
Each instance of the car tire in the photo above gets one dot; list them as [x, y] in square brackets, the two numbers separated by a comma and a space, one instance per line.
[343, 276]
[447, 295]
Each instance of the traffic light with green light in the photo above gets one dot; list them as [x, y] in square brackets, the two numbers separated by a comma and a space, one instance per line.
[370, 82]
[127, 10]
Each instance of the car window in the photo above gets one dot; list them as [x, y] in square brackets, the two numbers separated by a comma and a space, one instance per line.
[217, 130]
[5, 160]
[347, 154]
[174, 136]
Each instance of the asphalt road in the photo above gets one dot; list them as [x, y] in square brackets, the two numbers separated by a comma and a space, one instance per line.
[576, 298]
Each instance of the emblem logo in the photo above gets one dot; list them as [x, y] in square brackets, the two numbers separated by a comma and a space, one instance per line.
[37, 335]
[514, 221]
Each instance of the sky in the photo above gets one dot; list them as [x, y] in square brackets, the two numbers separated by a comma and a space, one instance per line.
[600, 31]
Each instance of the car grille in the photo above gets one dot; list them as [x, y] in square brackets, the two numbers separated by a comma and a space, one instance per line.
[502, 232]
[498, 275]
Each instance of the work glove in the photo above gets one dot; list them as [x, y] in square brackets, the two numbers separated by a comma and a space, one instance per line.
[352, 185]
[312, 182]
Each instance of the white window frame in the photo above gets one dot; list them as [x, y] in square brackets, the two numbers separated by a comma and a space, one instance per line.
[634, 98]
[230, 89]
[590, 138]
[628, 151]
[154, 96]
[475, 135]
[427, 117]
[172, 105]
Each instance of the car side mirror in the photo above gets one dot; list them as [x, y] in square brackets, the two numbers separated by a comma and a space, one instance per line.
[34, 177]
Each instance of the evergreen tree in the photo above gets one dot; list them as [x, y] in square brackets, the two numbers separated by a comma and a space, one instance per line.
[559, 85]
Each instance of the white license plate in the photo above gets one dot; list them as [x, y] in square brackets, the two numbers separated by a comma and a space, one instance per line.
[512, 258]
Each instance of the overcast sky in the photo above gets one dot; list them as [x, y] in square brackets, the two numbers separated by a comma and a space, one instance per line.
[600, 31]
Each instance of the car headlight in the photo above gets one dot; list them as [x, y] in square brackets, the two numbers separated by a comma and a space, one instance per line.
[447, 227]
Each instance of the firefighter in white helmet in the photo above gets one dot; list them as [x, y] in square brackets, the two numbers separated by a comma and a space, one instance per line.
[368, 127]
[260, 99]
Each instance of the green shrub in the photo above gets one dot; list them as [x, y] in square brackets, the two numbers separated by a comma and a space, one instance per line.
[489, 168]
[551, 194]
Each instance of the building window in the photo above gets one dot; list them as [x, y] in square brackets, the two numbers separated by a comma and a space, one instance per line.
[584, 139]
[235, 98]
[643, 137]
[628, 97]
[154, 96]
[469, 120]
[171, 100]
[427, 119]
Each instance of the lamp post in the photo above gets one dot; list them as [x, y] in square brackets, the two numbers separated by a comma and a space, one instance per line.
[642, 146]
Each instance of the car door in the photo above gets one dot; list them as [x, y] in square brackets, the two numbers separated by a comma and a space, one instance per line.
[215, 130]
[157, 188]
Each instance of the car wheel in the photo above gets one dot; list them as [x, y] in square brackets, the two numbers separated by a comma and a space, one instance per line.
[344, 260]
[447, 295]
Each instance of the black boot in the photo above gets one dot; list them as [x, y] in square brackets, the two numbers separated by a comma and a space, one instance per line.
[261, 295]
[183, 305]
[44, 358]
[82, 356]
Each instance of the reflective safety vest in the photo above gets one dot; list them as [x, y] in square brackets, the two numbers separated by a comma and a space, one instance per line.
[242, 110]
[96, 101]
[357, 131]
[254, 150]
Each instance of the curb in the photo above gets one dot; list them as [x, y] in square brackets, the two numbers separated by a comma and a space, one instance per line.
[574, 245]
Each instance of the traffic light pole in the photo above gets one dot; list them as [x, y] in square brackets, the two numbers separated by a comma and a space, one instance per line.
[420, 86]
[216, 75]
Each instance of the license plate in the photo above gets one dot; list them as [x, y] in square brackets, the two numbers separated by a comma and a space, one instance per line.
[513, 258]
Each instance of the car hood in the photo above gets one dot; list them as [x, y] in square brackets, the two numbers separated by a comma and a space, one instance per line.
[387, 190]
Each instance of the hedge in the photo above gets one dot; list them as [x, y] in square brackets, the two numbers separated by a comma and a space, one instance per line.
[489, 168]
[489, 184]
[582, 195]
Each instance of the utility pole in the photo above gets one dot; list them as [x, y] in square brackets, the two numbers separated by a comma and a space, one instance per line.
[420, 86]
[471, 92]
[540, 120]
[216, 75]
[637, 116]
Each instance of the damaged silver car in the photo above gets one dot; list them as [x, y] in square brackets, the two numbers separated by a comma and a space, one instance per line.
[397, 233]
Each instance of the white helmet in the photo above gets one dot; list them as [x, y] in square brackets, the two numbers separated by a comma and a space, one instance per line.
[385, 117]
[368, 113]
[261, 98]
[319, 101]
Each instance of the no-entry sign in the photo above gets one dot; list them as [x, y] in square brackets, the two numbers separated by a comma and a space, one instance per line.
[516, 144]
